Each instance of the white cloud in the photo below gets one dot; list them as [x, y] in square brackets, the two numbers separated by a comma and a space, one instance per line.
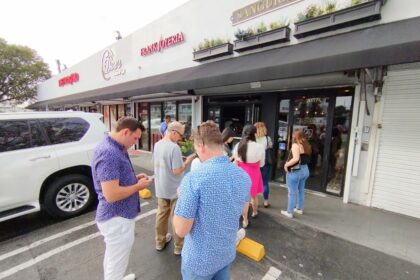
[73, 30]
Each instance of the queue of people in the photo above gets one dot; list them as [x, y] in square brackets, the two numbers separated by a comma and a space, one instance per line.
[205, 204]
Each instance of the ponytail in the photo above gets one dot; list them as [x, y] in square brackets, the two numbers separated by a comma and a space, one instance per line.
[248, 134]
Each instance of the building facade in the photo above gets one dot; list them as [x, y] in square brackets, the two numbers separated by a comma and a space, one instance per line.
[347, 74]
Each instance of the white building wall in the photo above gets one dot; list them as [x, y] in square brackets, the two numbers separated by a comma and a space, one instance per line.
[197, 19]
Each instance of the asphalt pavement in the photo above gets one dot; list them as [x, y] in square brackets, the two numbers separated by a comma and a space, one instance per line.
[38, 247]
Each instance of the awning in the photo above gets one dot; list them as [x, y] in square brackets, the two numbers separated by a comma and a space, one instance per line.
[387, 44]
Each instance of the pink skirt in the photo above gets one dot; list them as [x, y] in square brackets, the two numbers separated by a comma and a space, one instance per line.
[254, 172]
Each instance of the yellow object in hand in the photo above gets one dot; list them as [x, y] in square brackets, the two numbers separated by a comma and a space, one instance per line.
[145, 193]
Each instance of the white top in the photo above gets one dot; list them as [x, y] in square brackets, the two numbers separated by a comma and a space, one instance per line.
[255, 152]
[195, 164]
[265, 141]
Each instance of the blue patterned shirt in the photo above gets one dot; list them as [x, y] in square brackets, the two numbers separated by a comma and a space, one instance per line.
[213, 195]
[111, 162]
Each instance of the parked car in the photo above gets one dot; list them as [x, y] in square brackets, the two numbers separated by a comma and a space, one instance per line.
[45, 162]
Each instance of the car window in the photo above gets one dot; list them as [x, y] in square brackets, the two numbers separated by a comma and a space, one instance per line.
[38, 138]
[64, 130]
[14, 135]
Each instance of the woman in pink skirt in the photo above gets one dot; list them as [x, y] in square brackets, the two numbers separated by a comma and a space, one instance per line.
[250, 156]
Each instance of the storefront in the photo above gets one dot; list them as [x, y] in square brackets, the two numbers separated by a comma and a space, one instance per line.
[330, 75]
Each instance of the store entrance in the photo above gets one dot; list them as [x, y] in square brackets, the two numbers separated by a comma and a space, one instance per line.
[325, 119]
[233, 112]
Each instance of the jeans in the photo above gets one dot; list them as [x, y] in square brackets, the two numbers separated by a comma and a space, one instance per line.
[166, 208]
[118, 235]
[296, 185]
[265, 172]
[223, 274]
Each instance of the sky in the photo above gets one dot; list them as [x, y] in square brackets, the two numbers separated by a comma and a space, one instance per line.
[74, 30]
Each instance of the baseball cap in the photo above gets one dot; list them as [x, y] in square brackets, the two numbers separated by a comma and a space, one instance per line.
[176, 126]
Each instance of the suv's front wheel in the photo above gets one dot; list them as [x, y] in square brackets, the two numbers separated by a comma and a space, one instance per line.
[69, 196]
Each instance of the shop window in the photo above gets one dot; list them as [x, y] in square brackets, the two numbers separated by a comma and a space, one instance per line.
[113, 115]
[106, 117]
[121, 111]
[155, 121]
[185, 117]
[143, 117]
[169, 108]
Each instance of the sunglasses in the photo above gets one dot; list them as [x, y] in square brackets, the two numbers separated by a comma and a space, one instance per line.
[179, 133]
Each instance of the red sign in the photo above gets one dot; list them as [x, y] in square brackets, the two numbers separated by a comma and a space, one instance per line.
[163, 44]
[69, 80]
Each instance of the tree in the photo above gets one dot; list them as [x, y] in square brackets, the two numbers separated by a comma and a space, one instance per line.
[21, 70]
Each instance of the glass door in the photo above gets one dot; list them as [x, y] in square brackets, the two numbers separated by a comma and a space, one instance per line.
[311, 116]
[325, 120]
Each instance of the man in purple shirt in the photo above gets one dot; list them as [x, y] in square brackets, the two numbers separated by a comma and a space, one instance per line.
[117, 187]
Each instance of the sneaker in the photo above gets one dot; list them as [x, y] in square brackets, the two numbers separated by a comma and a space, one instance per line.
[168, 239]
[254, 215]
[287, 214]
[177, 251]
[298, 211]
[240, 235]
[130, 277]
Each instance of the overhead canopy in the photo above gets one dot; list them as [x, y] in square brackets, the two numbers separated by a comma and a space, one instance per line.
[386, 44]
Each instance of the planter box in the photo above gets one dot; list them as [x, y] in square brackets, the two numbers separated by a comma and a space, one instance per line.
[213, 52]
[268, 38]
[365, 12]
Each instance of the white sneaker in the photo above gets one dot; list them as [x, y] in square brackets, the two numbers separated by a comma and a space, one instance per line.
[168, 239]
[130, 276]
[240, 235]
[298, 211]
[287, 214]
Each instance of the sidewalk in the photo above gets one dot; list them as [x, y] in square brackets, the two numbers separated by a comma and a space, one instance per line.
[383, 231]
[393, 234]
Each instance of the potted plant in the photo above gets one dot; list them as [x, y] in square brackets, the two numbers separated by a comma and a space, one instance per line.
[212, 48]
[261, 36]
[187, 147]
[317, 19]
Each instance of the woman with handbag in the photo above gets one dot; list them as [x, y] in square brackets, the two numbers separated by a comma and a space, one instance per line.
[250, 156]
[266, 142]
[297, 173]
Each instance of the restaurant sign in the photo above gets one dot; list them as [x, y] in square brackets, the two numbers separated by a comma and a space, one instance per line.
[258, 8]
[111, 66]
[162, 44]
[69, 80]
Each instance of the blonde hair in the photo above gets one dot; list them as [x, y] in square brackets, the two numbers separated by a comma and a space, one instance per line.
[261, 129]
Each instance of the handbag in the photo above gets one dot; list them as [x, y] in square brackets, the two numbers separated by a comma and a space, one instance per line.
[269, 153]
[294, 167]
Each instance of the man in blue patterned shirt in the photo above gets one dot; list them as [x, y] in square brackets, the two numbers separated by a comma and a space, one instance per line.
[209, 206]
[117, 187]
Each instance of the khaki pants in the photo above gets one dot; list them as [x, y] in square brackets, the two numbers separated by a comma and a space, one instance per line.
[166, 208]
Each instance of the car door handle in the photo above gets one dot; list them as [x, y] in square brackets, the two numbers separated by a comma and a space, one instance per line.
[37, 158]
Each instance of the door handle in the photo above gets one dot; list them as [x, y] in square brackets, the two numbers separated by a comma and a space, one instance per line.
[37, 158]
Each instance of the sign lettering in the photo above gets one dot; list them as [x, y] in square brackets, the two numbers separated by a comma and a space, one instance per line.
[258, 8]
[163, 44]
[111, 66]
[68, 80]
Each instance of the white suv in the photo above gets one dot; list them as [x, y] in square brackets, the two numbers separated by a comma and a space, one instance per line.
[45, 162]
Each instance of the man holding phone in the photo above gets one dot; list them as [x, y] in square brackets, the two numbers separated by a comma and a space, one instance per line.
[169, 168]
[117, 187]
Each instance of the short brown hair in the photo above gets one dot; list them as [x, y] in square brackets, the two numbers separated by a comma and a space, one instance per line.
[208, 133]
[129, 122]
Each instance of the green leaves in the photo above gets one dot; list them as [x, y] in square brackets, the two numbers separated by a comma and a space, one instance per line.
[21, 70]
